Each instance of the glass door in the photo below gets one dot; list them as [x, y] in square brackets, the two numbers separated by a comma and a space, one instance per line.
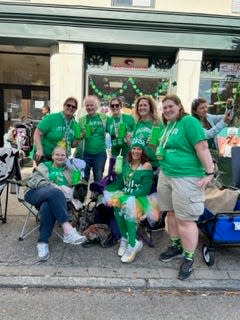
[13, 110]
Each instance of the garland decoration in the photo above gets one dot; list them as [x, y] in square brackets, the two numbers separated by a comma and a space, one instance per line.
[162, 88]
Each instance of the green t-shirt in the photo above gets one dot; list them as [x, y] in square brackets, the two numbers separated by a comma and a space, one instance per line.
[56, 127]
[143, 131]
[180, 158]
[56, 175]
[133, 182]
[112, 127]
[95, 143]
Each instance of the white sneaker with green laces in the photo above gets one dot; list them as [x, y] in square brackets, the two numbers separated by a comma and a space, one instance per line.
[131, 252]
[43, 251]
[74, 238]
[122, 247]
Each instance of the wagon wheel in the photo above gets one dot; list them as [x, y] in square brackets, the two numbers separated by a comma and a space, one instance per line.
[208, 255]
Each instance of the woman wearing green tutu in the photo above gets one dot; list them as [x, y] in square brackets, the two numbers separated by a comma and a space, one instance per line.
[130, 198]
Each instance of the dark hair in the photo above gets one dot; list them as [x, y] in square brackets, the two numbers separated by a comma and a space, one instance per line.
[177, 101]
[47, 108]
[195, 104]
[118, 99]
[153, 108]
[143, 159]
[71, 99]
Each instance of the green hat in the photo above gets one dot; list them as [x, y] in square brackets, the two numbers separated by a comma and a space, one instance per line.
[138, 142]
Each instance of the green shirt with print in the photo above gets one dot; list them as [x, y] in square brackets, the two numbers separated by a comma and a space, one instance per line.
[143, 130]
[95, 143]
[133, 182]
[112, 127]
[55, 127]
[180, 158]
[56, 174]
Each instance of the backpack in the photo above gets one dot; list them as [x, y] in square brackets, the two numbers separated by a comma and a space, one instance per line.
[98, 234]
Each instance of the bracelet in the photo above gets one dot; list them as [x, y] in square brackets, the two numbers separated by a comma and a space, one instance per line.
[209, 173]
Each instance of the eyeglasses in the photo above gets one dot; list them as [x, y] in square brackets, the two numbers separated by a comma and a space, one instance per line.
[68, 105]
[114, 106]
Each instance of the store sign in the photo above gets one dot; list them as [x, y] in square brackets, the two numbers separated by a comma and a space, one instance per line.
[230, 69]
[129, 62]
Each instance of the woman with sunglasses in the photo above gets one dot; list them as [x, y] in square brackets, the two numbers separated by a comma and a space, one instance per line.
[119, 125]
[56, 127]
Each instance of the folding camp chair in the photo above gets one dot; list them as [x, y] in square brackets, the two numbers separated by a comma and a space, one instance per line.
[32, 211]
[75, 210]
[9, 168]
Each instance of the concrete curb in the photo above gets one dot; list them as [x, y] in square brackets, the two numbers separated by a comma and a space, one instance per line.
[116, 283]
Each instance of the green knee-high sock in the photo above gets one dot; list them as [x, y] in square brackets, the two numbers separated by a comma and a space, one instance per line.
[132, 232]
[121, 223]
[176, 242]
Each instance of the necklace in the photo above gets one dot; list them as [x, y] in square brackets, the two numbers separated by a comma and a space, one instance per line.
[132, 170]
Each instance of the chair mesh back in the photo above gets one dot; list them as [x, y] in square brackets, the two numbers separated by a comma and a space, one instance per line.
[8, 165]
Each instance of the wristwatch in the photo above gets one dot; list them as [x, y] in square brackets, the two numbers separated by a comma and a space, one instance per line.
[209, 173]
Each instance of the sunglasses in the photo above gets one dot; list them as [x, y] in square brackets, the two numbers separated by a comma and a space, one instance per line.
[68, 105]
[114, 106]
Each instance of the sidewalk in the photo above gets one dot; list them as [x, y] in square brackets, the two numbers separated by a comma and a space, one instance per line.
[96, 267]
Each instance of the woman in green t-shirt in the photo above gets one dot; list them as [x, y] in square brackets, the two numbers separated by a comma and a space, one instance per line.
[186, 168]
[146, 115]
[119, 125]
[56, 127]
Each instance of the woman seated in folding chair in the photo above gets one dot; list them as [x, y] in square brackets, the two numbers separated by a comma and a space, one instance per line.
[130, 197]
[48, 188]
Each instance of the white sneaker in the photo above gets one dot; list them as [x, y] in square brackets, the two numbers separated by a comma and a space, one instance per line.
[74, 237]
[43, 251]
[131, 252]
[122, 247]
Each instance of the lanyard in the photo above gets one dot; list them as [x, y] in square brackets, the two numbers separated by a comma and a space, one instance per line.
[116, 125]
[166, 134]
[68, 132]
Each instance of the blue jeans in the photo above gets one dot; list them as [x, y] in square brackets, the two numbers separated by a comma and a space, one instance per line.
[96, 162]
[53, 207]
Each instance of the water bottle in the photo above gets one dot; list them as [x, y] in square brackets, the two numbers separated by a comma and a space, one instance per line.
[122, 130]
[154, 135]
[119, 164]
[76, 177]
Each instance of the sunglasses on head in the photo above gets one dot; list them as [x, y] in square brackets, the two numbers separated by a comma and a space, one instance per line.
[117, 105]
[69, 105]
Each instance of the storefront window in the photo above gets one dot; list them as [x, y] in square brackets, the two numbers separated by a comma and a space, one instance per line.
[107, 87]
[216, 92]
